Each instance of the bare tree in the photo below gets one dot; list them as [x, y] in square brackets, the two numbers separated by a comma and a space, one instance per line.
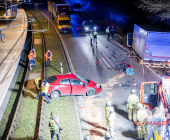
[159, 9]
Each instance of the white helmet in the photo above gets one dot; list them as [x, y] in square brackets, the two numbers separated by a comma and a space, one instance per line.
[112, 109]
[108, 103]
[133, 91]
[140, 106]
[87, 137]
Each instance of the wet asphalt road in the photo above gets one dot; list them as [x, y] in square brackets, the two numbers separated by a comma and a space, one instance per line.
[100, 63]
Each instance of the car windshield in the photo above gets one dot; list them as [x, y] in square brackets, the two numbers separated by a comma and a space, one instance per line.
[82, 79]
[64, 22]
[51, 79]
[88, 23]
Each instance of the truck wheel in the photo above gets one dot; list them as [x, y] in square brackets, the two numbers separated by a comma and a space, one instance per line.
[55, 95]
[91, 92]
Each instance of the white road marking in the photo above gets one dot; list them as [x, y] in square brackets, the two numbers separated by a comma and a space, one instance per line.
[106, 62]
[88, 41]
[154, 72]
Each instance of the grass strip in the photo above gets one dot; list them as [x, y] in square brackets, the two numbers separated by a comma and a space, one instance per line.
[28, 115]
[64, 106]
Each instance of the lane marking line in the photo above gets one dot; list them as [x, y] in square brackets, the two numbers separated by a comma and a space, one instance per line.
[106, 62]
[88, 41]
[154, 72]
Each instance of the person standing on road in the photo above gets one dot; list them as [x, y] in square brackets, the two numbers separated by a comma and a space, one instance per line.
[107, 109]
[108, 33]
[112, 32]
[111, 122]
[31, 60]
[48, 58]
[132, 102]
[91, 38]
[95, 36]
[44, 91]
[54, 126]
[34, 55]
[141, 121]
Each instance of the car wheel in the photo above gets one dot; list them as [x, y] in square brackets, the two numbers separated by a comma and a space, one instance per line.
[55, 95]
[91, 92]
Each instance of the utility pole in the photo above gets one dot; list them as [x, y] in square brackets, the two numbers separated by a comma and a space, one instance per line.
[6, 8]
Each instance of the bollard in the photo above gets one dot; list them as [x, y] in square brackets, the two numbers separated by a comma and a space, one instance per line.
[61, 67]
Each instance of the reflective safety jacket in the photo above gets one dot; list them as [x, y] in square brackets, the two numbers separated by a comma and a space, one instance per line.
[95, 33]
[45, 88]
[37, 82]
[132, 101]
[107, 111]
[142, 116]
[48, 55]
[34, 53]
[30, 57]
[54, 124]
[91, 36]
[107, 30]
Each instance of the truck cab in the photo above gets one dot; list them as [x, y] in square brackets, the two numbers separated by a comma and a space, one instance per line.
[63, 22]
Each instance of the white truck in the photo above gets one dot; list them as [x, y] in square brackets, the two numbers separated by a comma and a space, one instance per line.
[151, 45]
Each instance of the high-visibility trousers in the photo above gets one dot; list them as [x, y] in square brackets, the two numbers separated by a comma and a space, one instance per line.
[141, 131]
[132, 114]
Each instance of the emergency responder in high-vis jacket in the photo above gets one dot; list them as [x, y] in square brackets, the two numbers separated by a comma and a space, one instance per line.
[34, 55]
[111, 122]
[44, 90]
[132, 102]
[48, 58]
[91, 38]
[108, 33]
[31, 60]
[142, 116]
[54, 124]
[95, 36]
[107, 108]
[37, 83]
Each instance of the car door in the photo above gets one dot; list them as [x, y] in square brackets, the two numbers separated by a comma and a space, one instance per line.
[77, 87]
[149, 94]
[65, 87]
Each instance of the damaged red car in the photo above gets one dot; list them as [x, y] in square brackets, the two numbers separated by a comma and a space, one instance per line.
[71, 84]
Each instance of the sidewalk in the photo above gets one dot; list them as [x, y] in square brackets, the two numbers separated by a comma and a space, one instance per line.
[10, 51]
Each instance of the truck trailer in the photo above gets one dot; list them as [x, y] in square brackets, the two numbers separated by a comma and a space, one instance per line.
[151, 45]
[60, 12]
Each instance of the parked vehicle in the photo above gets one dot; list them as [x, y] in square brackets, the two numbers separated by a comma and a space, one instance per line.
[60, 12]
[151, 44]
[88, 26]
[71, 84]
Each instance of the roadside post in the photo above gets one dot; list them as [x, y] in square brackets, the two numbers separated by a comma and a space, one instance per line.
[61, 67]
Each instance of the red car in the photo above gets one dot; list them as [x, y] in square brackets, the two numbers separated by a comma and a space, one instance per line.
[71, 84]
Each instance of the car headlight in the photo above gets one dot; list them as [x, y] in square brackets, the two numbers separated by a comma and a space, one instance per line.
[86, 28]
[94, 28]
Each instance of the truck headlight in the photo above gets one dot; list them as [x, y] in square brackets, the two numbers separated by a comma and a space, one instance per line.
[94, 28]
[86, 28]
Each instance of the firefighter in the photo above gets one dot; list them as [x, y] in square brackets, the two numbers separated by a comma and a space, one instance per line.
[91, 38]
[110, 123]
[107, 32]
[107, 109]
[34, 55]
[37, 83]
[54, 126]
[31, 60]
[95, 36]
[44, 91]
[48, 58]
[141, 121]
[132, 102]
